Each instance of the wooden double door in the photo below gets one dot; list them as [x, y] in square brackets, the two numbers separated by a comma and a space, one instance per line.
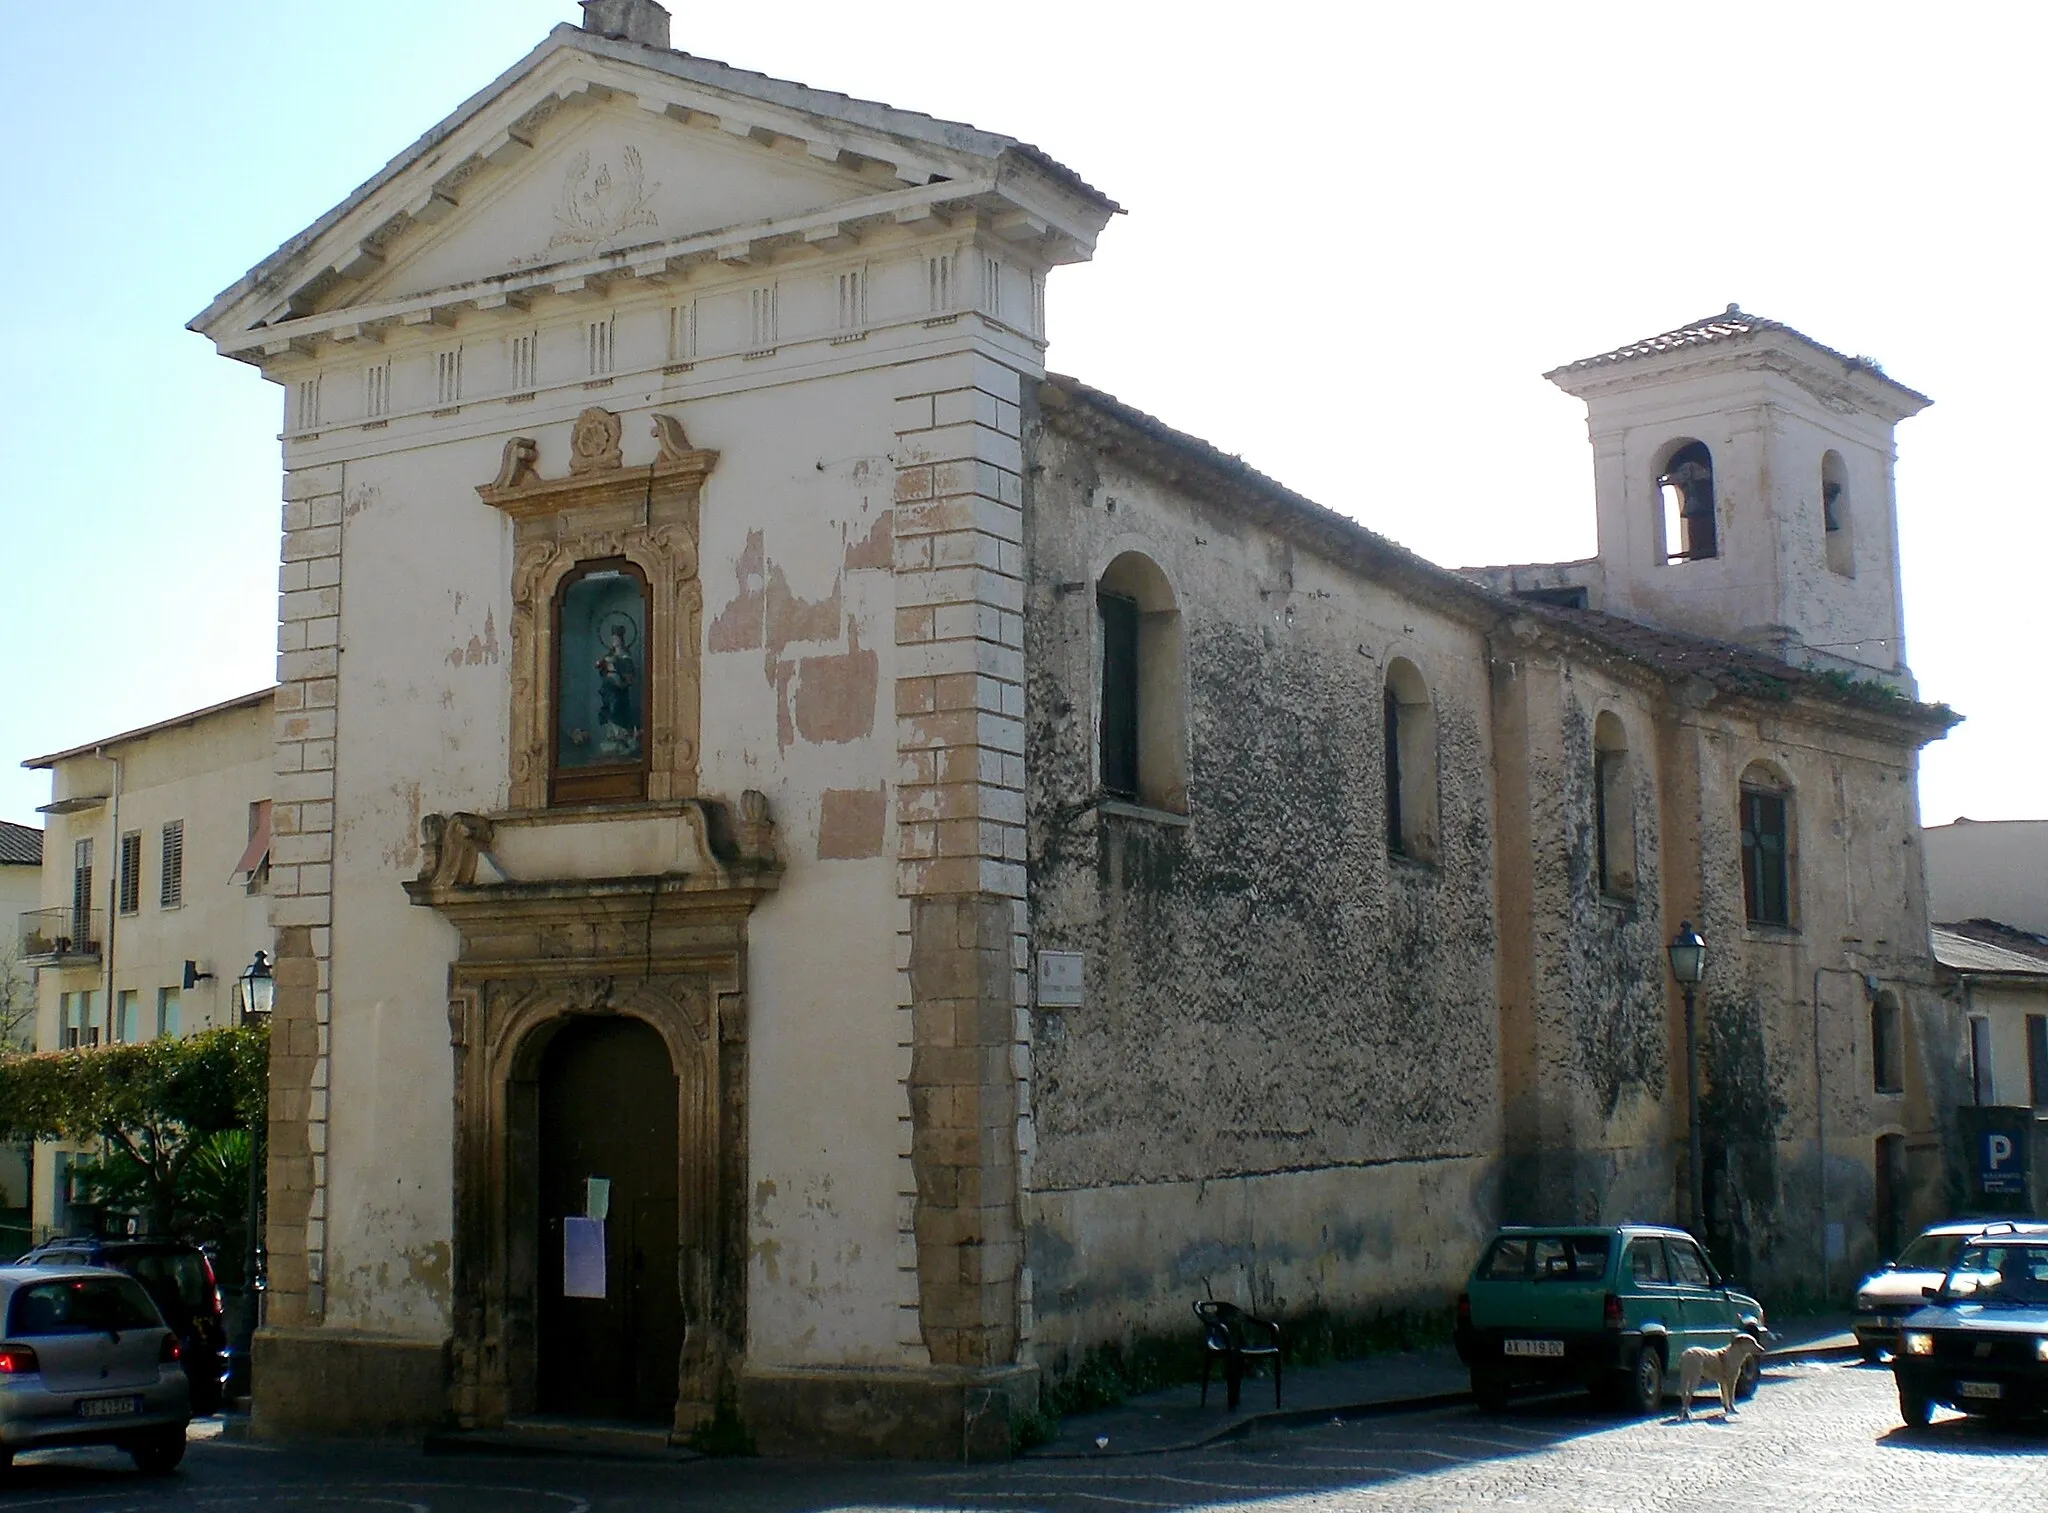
[607, 1169]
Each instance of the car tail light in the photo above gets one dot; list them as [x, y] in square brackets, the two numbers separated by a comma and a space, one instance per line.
[18, 1360]
[168, 1355]
[1610, 1311]
[1464, 1310]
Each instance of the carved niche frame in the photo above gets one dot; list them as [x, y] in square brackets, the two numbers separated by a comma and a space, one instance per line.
[602, 510]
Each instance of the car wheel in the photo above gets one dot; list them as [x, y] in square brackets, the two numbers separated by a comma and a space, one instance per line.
[160, 1453]
[1746, 1384]
[1646, 1381]
[1916, 1408]
[1490, 1389]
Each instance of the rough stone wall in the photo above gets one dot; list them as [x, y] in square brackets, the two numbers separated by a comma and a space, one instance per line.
[1584, 1029]
[1789, 1108]
[1283, 1081]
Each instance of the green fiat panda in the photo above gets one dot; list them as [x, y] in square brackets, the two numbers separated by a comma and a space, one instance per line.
[1608, 1306]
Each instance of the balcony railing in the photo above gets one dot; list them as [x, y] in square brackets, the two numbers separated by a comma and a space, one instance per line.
[51, 937]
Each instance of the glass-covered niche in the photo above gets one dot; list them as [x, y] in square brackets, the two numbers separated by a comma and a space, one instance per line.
[600, 685]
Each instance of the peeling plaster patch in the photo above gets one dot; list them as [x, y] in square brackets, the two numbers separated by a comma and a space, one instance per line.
[364, 496]
[428, 1266]
[791, 618]
[739, 625]
[404, 855]
[835, 696]
[851, 823]
[481, 650]
[878, 547]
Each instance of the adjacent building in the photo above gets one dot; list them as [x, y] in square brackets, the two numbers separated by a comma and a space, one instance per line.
[21, 885]
[820, 870]
[152, 892]
[1989, 869]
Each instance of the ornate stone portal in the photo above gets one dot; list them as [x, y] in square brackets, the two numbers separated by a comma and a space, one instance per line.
[635, 909]
[668, 949]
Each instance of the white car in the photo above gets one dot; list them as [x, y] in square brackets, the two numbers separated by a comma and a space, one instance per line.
[86, 1359]
[1888, 1294]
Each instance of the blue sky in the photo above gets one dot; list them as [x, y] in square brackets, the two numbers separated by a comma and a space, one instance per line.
[1357, 236]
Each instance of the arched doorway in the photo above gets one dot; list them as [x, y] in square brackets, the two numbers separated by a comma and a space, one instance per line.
[607, 1157]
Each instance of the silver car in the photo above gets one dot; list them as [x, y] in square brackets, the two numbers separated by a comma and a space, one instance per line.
[1898, 1287]
[85, 1359]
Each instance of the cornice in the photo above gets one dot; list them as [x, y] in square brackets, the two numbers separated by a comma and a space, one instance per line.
[1840, 385]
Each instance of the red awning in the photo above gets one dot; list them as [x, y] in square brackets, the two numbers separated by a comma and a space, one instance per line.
[258, 850]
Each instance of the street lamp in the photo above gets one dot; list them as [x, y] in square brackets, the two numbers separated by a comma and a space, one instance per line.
[258, 992]
[1688, 955]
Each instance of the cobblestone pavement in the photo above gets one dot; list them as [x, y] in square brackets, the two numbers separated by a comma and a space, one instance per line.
[1817, 1438]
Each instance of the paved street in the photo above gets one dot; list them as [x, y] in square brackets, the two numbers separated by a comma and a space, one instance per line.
[1817, 1438]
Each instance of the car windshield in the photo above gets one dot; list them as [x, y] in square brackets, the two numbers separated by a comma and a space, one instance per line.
[178, 1275]
[2000, 1273]
[1546, 1258]
[1930, 1253]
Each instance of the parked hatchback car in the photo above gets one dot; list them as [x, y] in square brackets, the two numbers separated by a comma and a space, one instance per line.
[1608, 1306]
[179, 1278]
[86, 1359]
[1898, 1287]
[1980, 1343]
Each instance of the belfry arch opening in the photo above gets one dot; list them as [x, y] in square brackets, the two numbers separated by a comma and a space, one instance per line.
[1685, 492]
[1836, 518]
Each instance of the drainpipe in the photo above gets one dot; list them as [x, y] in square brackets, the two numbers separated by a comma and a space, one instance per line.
[113, 881]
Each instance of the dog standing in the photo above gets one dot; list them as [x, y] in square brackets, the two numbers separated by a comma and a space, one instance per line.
[1723, 1367]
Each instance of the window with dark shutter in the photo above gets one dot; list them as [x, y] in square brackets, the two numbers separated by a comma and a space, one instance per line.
[1980, 1061]
[2037, 1060]
[1119, 694]
[131, 872]
[1766, 874]
[173, 892]
[1390, 718]
[81, 891]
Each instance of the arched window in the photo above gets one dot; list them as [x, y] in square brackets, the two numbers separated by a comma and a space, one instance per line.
[601, 675]
[1835, 516]
[1685, 486]
[1614, 810]
[1887, 1047]
[1766, 821]
[1142, 736]
[1409, 722]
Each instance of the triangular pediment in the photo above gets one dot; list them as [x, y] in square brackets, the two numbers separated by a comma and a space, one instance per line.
[603, 179]
[593, 158]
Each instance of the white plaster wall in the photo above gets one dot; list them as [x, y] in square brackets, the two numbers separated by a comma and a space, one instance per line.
[1988, 869]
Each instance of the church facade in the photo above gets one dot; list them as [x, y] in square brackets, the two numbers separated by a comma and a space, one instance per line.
[820, 871]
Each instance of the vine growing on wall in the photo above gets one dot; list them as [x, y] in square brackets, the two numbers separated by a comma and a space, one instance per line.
[151, 1109]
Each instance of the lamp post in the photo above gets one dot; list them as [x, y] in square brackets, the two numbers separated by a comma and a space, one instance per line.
[1688, 955]
[258, 990]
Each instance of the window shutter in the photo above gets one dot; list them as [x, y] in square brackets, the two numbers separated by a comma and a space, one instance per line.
[1119, 694]
[174, 865]
[131, 872]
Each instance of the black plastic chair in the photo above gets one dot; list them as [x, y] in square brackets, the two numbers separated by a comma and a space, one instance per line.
[1242, 1339]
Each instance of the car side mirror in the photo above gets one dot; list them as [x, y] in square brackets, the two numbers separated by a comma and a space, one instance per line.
[1891, 1266]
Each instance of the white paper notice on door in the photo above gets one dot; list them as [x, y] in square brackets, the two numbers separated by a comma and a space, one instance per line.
[582, 1257]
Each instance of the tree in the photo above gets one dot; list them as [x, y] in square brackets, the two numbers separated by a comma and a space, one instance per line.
[152, 1107]
[17, 998]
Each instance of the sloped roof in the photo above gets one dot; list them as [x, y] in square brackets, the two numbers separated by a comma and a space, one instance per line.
[1194, 464]
[20, 845]
[1984, 945]
[190, 717]
[1727, 326]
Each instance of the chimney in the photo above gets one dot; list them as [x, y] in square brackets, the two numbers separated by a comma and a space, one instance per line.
[640, 21]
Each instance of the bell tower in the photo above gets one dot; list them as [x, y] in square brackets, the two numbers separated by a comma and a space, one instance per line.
[1743, 480]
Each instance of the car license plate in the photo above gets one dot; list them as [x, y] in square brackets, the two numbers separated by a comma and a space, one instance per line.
[1979, 1389]
[108, 1407]
[1532, 1347]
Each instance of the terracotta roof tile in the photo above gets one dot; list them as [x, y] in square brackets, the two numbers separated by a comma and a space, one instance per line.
[1984, 945]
